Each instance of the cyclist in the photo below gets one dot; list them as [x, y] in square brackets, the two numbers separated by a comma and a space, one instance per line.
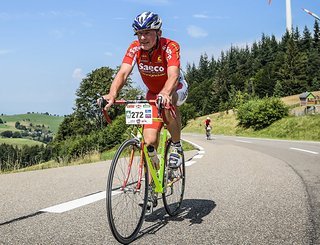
[207, 127]
[158, 61]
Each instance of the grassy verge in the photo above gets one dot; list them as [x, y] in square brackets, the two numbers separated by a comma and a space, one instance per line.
[291, 128]
[90, 158]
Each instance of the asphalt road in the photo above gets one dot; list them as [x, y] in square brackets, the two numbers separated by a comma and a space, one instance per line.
[239, 191]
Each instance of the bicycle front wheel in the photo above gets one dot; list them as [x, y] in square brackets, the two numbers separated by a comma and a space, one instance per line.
[127, 192]
[174, 184]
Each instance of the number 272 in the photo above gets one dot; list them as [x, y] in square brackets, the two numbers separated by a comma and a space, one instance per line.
[137, 114]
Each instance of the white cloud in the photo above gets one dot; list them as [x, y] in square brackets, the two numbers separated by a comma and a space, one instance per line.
[78, 74]
[196, 32]
[5, 51]
[201, 16]
[108, 54]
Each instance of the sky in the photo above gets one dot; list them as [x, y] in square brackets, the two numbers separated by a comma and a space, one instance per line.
[48, 46]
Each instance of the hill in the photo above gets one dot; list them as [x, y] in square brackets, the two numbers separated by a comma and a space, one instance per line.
[49, 121]
[293, 127]
[28, 129]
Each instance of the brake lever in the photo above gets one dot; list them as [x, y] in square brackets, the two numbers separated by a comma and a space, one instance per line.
[160, 105]
[102, 102]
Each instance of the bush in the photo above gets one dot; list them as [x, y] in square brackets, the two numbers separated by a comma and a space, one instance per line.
[260, 113]
[80, 145]
[6, 134]
[188, 111]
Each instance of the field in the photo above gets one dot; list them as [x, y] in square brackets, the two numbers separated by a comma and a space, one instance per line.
[294, 99]
[52, 122]
[19, 142]
[46, 123]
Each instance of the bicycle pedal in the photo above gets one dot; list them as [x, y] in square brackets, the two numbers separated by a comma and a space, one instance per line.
[149, 208]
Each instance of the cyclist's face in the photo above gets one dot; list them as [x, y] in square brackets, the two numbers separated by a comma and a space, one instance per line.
[147, 38]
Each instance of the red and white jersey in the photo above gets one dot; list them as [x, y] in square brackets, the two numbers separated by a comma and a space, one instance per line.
[153, 65]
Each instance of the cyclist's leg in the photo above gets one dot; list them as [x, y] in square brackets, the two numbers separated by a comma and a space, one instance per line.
[174, 124]
[178, 98]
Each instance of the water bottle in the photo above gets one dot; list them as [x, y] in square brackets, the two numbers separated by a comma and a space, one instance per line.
[154, 157]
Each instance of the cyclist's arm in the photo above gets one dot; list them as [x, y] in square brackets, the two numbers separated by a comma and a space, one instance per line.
[171, 83]
[118, 82]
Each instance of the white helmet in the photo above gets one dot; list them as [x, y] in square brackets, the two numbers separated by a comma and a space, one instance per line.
[147, 20]
[208, 118]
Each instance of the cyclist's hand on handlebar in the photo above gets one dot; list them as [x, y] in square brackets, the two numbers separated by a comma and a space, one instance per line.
[166, 99]
[105, 101]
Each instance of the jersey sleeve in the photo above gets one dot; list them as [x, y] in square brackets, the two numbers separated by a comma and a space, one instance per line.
[173, 54]
[131, 53]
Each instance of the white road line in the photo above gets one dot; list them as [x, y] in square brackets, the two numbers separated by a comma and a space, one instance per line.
[244, 141]
[67, 206]
[200, 148]
[201, 152]
[298, 149]
[189, 163]
[198, 156]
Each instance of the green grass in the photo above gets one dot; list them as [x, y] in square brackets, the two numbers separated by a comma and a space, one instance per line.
[291, 128]
[222, 124]
[52, 122]
[19, 142]
[297, 128]
[5, 127]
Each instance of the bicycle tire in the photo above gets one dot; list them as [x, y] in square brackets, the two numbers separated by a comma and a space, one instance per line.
[174, 184]
[126, 207]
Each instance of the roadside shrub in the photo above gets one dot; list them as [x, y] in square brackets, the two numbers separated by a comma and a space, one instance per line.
[80, 145]
[260, 113]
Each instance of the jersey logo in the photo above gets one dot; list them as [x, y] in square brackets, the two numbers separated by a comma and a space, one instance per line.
[151, 69]
[159, 59]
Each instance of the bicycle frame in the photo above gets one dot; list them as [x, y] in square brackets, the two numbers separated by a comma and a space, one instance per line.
[156, 175]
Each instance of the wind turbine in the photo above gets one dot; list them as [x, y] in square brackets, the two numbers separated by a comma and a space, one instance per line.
[312, 14]
[288, 15]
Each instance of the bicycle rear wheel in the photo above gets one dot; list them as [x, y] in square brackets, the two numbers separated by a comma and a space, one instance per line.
[174, 184]
[126, 204]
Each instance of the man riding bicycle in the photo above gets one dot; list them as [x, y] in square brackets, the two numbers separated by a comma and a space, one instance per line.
[158, 61]
[208, 127]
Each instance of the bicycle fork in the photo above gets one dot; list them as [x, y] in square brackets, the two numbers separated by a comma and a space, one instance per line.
[140, 171]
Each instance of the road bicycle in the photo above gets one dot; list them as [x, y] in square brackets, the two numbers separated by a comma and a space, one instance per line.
[134, 182]
[208, 132]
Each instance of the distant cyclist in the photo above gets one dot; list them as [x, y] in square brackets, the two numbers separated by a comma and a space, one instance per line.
[207, 123]
[158, 61]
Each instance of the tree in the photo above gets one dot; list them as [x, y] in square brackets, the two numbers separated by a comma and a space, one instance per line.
[96, 84]
[6, 134]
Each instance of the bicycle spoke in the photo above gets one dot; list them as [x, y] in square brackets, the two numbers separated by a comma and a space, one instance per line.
[174, 181]
[125, 214]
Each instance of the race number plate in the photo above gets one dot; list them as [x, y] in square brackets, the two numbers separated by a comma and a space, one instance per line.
[139, 113]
